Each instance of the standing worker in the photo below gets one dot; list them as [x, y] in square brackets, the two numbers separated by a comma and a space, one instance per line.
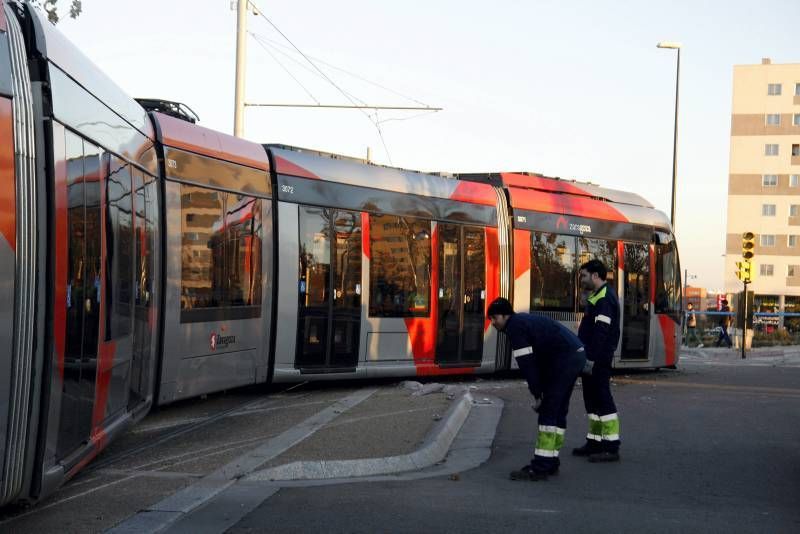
[551, 358]
[599, 332]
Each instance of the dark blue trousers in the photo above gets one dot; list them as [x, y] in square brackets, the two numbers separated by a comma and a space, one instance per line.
[556, 380]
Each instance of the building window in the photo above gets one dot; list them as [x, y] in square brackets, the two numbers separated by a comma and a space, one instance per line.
[771, 149]
[767, 270]
[400, 276]
[795, 150]
[773, 119]
[768, 210]
[769, 180]
[794, 180]
[767, 240]
[796, 119]
[793, 270]
[794, 210]
[792, 240]
[774, 89]
[797, 89]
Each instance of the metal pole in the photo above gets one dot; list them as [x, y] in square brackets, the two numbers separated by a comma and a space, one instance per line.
[241, 54]
[675, 140]
[744, 320]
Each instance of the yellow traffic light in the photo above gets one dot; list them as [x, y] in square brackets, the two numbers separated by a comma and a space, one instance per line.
[748, 245]
[747, 271]
[739, 269]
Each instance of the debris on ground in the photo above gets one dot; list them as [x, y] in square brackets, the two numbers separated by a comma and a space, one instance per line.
[412, 385]
[427, 389]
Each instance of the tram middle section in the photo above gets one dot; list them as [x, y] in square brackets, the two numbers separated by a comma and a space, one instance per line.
[150, 260]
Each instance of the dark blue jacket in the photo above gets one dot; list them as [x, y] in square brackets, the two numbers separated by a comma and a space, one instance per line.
[599, 329]
[539, 344]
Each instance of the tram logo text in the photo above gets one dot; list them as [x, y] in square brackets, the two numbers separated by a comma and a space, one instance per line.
[581, 228]
[220, 342]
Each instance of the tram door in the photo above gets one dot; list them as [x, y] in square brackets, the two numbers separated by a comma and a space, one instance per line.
[329, 289]
[636, 308]
[82, 296]
[462, 294]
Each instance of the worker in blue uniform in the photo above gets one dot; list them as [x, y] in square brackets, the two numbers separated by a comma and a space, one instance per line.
[551, 358]
[599, 331]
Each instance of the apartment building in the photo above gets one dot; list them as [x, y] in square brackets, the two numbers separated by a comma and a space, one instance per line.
[764, 181]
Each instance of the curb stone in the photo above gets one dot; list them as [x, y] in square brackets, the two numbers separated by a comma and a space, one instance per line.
[433, 450]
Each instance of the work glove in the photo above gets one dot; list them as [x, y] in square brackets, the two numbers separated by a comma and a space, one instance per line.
[536, 404]
[587, 368]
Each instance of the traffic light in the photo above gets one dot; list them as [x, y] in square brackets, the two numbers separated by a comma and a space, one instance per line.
[744, 271]
[748, 245]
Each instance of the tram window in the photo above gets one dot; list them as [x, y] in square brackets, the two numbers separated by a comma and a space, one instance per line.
[400, 267]
[243, 250]
[668, 284]
[599, 249]
[201, 211]
[119, 250]
[553, 272]
[221, 249]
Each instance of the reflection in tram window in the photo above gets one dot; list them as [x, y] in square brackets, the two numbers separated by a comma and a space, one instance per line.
[553, 272]
[599, 249]
[221, 249]
[242, 250]
[400, 266]
[119, 243]
[668, 282]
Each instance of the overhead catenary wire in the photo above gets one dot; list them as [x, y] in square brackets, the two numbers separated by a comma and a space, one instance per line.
[260, 41]
[422, 107]
[349, 73]
[287, 71]
[329, 80]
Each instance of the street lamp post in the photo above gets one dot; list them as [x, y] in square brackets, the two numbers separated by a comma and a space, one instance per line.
[674, 46]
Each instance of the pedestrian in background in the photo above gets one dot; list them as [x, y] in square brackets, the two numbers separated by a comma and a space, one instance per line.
[724, 323]
[691, 326]
[550, 357]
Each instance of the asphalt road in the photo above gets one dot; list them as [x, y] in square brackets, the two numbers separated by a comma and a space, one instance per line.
[706, 448]
[711, 447]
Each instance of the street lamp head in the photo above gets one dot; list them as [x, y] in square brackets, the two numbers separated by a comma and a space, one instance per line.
[668, 44]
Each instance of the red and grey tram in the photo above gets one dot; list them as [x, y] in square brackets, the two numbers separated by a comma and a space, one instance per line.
[146, 259]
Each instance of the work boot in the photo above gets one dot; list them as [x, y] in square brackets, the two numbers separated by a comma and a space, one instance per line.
[529, 473]
[589, 448]
[604, 456]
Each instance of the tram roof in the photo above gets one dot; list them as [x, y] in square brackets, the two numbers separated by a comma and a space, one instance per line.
[178, 133]
[539, 193]
[316, 165]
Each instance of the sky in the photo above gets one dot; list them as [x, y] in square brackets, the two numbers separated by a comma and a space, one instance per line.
[573, 89]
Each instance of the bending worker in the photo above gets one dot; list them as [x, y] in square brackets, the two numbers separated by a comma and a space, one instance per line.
[599, 332]
[551, 358]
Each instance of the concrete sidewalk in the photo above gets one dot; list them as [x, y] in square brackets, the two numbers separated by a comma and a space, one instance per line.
[188, 455]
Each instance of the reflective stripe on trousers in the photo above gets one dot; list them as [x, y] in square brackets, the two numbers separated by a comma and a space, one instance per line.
[549, 441]
[603, 428]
